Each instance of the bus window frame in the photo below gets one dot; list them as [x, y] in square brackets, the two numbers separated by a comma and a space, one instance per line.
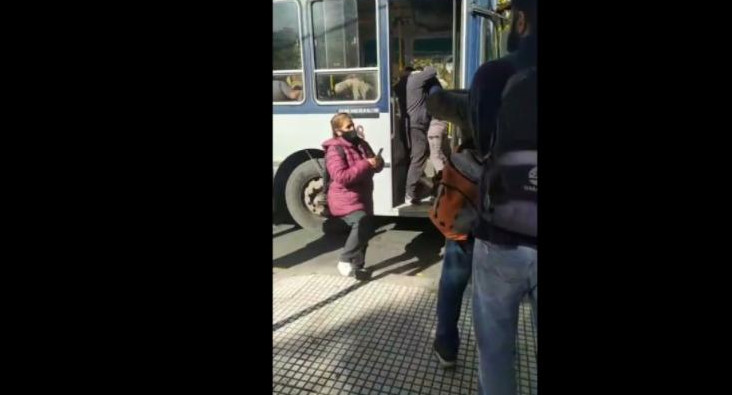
[302, 58]
[353, 70]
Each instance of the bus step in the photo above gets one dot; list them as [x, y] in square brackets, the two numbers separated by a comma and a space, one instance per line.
[408, 210]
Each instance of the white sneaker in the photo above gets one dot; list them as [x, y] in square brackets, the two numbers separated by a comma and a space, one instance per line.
[345, 268]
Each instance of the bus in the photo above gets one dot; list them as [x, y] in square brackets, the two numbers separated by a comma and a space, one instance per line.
[332, 56]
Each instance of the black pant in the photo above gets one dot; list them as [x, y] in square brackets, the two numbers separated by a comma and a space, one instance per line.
[418, 156]
[400, 163]
[362, 229]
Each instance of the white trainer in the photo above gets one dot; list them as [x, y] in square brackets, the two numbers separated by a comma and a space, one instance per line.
[345, 268]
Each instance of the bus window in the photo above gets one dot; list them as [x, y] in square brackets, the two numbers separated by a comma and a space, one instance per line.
[345, 48]
[287, 73]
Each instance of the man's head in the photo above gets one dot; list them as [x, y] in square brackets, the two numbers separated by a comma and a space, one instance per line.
[523, 22]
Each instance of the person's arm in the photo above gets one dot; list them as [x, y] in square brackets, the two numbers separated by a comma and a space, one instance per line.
[452, 106]
[340, 172]
[378, 165]
[429, 76]
[434, 88]
[419, 80]
[376, 161]
[288, 92]
[342, 86]
[295, 94]
[365, 88]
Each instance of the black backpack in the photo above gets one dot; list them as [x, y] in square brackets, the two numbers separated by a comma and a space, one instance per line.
[510, 169]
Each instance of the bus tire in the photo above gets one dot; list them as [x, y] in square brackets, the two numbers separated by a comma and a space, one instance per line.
[303, 184]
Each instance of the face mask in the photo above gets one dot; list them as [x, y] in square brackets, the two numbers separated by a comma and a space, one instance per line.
[350, 136]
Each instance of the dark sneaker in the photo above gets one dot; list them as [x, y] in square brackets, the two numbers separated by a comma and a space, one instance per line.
[447, 359]
[362, 274]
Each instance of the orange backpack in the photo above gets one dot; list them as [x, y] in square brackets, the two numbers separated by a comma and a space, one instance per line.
[455, 209]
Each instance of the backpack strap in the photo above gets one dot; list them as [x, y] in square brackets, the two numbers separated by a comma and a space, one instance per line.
[341, 152]
[321, 170]
[517, 77]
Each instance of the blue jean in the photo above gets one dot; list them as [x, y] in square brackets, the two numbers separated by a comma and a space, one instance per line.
[502, 276]
[456, 268]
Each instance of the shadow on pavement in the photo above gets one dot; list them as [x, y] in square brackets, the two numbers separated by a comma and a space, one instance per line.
[377, 351]
[425, 247]
[332, 238]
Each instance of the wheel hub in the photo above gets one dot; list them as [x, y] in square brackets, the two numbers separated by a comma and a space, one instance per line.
[314, 196]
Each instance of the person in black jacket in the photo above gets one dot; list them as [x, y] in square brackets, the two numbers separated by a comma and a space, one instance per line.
[400, 148]
[504, 263]
[418, 87]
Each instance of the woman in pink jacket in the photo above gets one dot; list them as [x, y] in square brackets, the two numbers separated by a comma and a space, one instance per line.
[351, 188]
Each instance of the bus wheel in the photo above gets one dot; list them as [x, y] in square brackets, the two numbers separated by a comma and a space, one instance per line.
[304, 195]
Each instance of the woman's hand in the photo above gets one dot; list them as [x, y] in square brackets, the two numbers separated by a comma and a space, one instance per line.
[376, 161]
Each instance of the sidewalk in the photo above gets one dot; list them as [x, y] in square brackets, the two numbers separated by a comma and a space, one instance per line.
[333, 335]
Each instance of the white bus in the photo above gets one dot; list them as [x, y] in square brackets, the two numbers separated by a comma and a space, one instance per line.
[331, 56]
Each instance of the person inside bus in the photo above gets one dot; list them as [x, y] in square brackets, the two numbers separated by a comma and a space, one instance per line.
[437, 135]
[351, 164]
[295, 81]
[400, 148]
[400, 90]
[359, 89]
[281, 91]
[418, 85]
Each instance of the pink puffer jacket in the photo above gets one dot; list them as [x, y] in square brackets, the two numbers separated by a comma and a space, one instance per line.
[351, 186]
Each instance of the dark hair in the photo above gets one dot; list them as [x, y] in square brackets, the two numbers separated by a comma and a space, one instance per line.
[409, 68]
[528, 7]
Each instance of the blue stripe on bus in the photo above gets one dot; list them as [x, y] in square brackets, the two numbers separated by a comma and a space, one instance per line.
[314, 108]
